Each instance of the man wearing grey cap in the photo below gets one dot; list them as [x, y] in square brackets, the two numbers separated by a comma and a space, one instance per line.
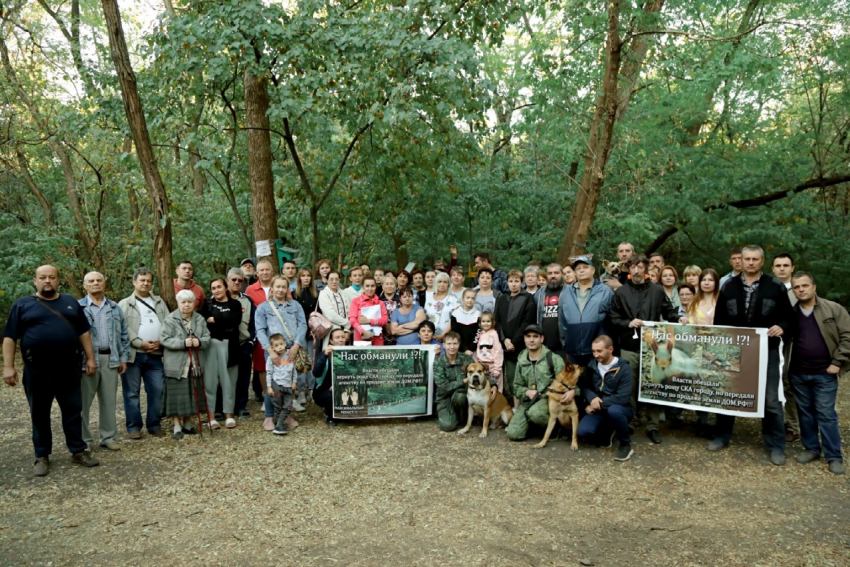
[582, 310]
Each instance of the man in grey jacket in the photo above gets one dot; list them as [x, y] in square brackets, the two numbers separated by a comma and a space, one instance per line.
[111, 348]
[144, 313]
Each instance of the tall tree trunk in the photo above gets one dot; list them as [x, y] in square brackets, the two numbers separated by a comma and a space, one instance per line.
[598, 147]
[198, 179]
[635, 56]
[231, 198]
[132, 198]
[400, 244]
[260, 164]
[141, 138]
[46, 206]
[314, 226]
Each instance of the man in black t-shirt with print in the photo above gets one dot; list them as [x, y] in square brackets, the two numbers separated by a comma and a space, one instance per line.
[547, 298]
[52, 328]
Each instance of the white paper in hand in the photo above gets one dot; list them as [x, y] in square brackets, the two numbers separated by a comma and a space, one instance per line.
[371, 312]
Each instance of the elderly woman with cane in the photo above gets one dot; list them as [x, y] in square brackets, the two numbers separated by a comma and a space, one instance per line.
[284, 316]
[183, 330]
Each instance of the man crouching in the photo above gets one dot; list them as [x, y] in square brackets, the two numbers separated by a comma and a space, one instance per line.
[536, 368]
[606, 384]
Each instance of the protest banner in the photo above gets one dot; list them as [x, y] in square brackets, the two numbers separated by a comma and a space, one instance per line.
[704, 367]
[389, 381]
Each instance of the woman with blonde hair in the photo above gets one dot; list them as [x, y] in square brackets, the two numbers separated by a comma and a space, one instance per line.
[439, 304]
[691, 275]
[280, 315]
[701, 312]
[388, 293]
[701, 309]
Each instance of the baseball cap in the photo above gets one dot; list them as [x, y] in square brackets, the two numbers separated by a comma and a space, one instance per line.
[533, 329]
[248, 261]
[583, 259]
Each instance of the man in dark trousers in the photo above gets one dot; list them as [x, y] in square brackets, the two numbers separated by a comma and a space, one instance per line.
[754, 299]
[638, 301]
[52, 328]
[815, 360]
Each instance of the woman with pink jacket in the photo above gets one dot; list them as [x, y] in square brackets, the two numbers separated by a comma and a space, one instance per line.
[370, 302]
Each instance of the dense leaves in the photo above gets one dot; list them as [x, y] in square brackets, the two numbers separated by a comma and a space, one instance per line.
[399, 128]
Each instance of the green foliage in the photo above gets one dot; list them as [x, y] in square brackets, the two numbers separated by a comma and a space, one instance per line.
[422, 124]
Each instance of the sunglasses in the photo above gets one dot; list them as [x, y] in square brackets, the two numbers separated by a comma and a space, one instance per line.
[237, 280]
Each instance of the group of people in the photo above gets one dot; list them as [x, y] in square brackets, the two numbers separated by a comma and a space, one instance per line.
[249, 330]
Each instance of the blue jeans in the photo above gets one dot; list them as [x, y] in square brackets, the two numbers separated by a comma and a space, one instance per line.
[147, 368]
[815, 397]
[268, 408]
[596, 427]
[773, 423]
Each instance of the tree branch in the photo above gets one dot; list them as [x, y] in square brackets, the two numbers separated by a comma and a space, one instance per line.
[339, 169]
[694, 37]
[816, 183]
[296, 159]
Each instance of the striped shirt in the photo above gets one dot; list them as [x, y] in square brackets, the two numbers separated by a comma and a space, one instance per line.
[101, 316]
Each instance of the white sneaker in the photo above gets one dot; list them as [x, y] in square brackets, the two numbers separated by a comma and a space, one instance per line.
[301, 398]
[296, 406]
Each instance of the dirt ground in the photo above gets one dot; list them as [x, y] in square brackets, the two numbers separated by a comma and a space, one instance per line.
[393, 492]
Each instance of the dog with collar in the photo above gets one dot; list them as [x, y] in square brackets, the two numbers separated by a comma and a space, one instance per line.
[559, 411]
[478, 395]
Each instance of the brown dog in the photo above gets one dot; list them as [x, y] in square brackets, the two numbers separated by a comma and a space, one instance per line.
[478, 397]
[564, 382]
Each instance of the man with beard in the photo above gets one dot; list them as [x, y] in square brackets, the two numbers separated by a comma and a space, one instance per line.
[548, 305]
[638, 301]
[582, 311]
[249, 270]
[52, 328]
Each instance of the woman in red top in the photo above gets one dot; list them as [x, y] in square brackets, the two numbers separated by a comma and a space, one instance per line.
[372, 303]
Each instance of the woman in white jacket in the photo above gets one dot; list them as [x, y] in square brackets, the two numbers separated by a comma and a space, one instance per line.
[332, 305]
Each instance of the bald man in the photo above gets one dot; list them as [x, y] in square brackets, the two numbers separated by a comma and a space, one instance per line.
[53, 329]
[111, 345]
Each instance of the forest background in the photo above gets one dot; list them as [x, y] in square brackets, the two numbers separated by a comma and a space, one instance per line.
[384, 131]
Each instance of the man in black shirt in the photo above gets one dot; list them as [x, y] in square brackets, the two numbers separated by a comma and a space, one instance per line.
[52, 327]
[547, 298]
[754, 299]
[638, 301]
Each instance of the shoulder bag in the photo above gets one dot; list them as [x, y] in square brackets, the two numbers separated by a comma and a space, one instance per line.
[319, 325]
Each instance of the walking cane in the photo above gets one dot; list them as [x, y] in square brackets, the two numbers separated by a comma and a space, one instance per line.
[198, 376]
